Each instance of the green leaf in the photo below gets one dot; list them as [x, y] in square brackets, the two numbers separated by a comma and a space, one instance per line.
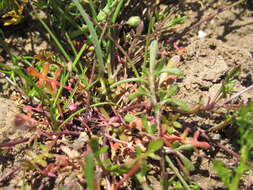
[228, 87]
[177, 125]
[232, 73]
[223, 172]
[172, 71]
[153, 129]
[140, 92]
[138, 151]
[194, 187]
[134, 21]
[171, 91]
[89, 171]
[141, 176]
[155, 145]
[187, 163]
[44, 148]
[144, 121]
[94, 145]
[119, 169]
[175, 144]
[245, 118]
[176, 102]
[153, 53]
[185, 147]
[103, 13]
[104, 149]
[161, 65]
[152, 155]
[40, 159]
[229, 84]
[176, 21]
[129, 117]
[117, 11]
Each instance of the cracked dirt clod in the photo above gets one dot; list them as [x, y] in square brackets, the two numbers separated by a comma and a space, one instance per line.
[8, 110]
[205, 66]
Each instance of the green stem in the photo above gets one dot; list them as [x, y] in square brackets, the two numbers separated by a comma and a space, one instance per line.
[128, 80]
[241, 168]
[148, 39]
[173, 167]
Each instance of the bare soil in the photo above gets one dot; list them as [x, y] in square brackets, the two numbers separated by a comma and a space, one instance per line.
[228, 44]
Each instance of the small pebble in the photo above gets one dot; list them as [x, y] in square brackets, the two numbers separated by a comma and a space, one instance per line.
[201, 34]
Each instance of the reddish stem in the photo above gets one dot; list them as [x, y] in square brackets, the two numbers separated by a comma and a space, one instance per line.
[221, 146]
[8, 174]
[13, 143]
[19, 141]
[127, 176]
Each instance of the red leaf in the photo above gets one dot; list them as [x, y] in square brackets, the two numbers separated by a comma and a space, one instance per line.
[49, 170]
[63, 160]
[43, 78]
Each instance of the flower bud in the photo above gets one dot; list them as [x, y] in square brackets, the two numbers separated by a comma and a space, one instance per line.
[134, 21]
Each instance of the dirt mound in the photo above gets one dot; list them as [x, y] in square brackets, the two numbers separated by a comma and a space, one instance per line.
[205, 65]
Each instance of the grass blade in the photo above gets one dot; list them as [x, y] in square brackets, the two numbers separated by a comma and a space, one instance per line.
[94, 37]
[57, 42]
[89, 171]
